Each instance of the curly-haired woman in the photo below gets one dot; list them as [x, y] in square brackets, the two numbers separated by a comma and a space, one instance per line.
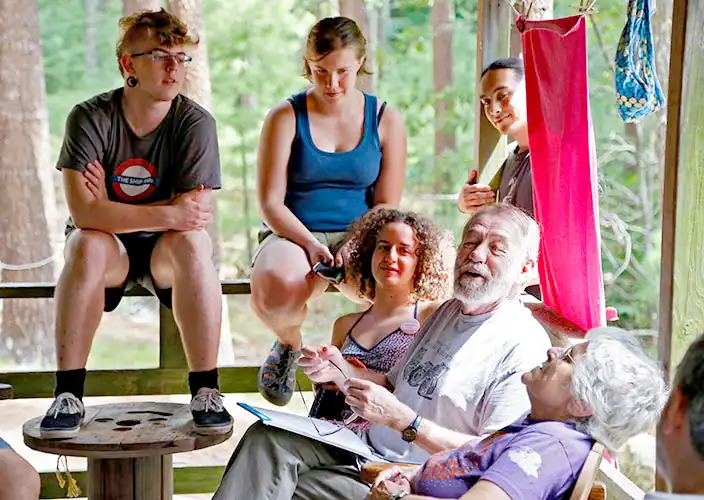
[396, 257]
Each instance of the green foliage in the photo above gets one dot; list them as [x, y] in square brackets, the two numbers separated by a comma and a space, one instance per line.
[255, 62]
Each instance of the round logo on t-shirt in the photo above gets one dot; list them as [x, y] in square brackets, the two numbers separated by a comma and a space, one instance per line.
[134, 179]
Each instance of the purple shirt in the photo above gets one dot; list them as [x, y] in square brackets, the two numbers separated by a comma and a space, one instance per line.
[527, 459]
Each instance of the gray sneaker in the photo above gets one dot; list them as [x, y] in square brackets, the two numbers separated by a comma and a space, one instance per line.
[63, 418]
[277, 376]
[209, 414]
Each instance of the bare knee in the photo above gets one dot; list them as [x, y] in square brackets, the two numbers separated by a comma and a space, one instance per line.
[277, 292]
[18, 478]
[184, 246]
[87, 245]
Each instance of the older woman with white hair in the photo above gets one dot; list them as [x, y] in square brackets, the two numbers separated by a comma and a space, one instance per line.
[606, 389]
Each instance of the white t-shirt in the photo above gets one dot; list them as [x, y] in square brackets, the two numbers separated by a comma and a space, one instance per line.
[464, 373]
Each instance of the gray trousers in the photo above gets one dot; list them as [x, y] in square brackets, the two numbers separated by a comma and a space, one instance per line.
[274, 464]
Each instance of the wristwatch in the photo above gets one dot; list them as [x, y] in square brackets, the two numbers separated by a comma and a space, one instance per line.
[399, 494]
[410, 433]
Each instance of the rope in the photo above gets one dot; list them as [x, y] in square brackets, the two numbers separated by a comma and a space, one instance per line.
[26, 267]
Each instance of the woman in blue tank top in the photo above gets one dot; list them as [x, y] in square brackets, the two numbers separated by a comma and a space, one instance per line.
[326, 156]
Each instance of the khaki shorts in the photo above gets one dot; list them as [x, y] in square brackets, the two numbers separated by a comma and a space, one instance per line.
[332, 239]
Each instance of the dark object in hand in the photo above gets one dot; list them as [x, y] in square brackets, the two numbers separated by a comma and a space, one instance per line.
[334, 275]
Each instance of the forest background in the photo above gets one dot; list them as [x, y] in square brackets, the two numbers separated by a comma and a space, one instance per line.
[56, 54]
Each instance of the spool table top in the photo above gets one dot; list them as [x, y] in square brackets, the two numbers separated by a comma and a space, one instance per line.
[5, 391]
[126, 430]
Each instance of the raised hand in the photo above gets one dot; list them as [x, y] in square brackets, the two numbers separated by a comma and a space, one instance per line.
[474, 196]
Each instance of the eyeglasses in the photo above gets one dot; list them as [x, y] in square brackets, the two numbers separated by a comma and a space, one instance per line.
[567, 355]
[337, 428]
[163, 57]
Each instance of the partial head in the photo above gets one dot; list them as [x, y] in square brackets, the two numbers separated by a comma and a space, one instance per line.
[681, 428]
[496, 257]
[153, 51]
[334, 55]
[607, 386]
[503, 95]
[400, 251]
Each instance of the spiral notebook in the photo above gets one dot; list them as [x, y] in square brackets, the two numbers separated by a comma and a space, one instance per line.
[344, 438]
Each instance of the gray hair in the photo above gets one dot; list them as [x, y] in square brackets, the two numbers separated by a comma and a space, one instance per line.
[690, 380]
[528, 229]
[624, 388]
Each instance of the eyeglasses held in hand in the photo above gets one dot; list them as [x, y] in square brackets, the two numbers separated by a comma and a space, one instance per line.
[337, 428]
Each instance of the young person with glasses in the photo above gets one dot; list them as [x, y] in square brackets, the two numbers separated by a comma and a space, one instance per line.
[139, 164]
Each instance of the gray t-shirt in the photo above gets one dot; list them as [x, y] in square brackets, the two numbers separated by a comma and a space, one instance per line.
[464, 373]
[176, 157]
[516, 186]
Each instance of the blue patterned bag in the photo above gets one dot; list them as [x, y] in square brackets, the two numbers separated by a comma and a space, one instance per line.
[638, 92]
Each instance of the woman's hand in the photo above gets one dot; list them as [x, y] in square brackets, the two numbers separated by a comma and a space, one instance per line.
[319, 365]
[383, 490]
[318, 252]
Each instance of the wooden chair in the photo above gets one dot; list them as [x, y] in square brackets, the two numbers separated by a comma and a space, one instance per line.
[584, 488]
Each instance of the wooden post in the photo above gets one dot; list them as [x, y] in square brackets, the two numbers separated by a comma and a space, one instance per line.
[142, 478]
[493, 42]
[682, 267]
[442, 16]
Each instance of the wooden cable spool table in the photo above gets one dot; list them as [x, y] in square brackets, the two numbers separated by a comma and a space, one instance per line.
[129, 447]
[5, 391]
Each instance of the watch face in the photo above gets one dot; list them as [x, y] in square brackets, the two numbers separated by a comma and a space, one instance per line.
[409, 434]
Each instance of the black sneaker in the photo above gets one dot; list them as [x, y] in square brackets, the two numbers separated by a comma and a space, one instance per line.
[64, 417]
[209, 414]
[277, 376]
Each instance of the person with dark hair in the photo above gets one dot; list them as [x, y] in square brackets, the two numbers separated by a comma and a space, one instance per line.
[327, 155]
[503, 98]
[680, 434]
[460, 379]
[18, 479]
[139, 164]
[397, 257]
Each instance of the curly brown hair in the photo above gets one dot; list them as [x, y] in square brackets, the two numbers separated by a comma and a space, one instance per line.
[160, 25]
[431, 281]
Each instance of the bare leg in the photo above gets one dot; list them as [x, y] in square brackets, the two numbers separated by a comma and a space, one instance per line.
[282, 284]
[18, 478]
[183, 261]
[93, 262]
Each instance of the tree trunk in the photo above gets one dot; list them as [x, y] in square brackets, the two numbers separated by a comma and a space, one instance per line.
[197, 87]
[24, 141]
[91, 31]
[132, 6]
[357, 11]
[441, 18]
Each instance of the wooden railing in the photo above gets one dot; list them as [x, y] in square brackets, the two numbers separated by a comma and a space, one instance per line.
[170, 377]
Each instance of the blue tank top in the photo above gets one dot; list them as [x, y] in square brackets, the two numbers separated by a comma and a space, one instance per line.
[328, 191]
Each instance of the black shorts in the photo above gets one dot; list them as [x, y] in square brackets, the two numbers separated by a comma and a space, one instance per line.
[139, 247]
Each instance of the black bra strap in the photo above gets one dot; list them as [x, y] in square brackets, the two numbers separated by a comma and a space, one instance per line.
[381, 112]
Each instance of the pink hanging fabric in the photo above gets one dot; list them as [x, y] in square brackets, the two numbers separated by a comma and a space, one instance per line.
[564, 168]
